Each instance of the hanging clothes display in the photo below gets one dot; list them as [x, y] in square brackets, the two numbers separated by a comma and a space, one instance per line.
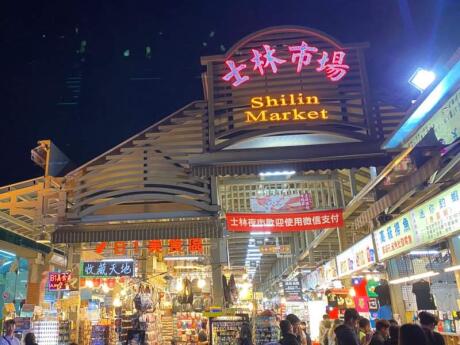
[423, 296]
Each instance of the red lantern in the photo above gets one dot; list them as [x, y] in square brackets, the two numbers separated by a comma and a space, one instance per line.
[111, 283]
[82, 282]
[97, 282]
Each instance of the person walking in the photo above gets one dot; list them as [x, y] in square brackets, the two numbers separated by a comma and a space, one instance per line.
[30, 339]
[287, 334]
[331, 338]
[324, 327]
[346, 333]
[245, 337]
[394, 335]
[9, 338]
[303, 327]
[381, 334]
[365, 331]
[428, 322]
[410, 334]
[297, 330]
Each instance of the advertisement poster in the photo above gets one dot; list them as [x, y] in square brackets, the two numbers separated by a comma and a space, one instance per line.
[281, 203]
[293, 290]
[357, 257]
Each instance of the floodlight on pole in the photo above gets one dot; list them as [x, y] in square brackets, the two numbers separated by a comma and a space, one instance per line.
[422, 78]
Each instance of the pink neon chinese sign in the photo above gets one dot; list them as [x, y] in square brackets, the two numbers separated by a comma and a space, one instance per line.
[302, 55]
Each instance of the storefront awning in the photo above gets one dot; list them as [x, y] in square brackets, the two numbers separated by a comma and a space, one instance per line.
[300, 158]
[81, 233]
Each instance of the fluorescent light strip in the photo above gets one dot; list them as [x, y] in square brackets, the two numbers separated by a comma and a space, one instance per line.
[117, 260]
[424, 252]
[414, 277]
[7, 253]
[428, 104]
[177, 258]
[277, 173]
[452, 268]
[258, 233]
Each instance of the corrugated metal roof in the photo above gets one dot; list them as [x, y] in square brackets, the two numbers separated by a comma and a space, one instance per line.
[209, 228]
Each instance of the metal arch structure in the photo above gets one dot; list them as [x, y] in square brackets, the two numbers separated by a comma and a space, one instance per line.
[148, 173]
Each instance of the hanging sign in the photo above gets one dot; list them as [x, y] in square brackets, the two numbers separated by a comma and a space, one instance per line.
[357, 257]
[265, 60]
[59, 281]
[281, 203]
[292, 290]
[274, 249]
[107, 269]
[284, 222]
[121, 248]
[436, 218]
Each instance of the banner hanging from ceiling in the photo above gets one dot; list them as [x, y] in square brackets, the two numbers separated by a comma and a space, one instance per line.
[284, 222]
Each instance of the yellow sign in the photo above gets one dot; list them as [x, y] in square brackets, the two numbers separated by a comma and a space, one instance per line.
[274, 249]
[261, 109]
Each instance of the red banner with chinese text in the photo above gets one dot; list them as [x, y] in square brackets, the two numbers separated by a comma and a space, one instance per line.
[284, 222]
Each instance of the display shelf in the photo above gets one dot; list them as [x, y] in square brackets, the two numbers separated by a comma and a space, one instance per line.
[46, 332]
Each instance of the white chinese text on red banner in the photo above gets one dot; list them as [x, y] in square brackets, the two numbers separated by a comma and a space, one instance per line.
[284, 222]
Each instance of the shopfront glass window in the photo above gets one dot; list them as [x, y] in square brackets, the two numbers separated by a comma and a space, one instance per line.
[14, 274]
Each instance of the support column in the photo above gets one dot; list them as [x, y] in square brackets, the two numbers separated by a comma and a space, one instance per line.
[454, 247]
[396, 295]
[37, 271]
[218, 258]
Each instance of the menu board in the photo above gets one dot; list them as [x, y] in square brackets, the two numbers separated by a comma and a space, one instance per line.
[357, 257]
[293, 290]
[434, 219]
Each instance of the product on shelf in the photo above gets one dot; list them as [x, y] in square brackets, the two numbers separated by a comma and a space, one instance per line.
[267, 329]
[46, 332]
[225, 329]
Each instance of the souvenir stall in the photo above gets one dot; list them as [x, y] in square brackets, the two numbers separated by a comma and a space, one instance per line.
[266, 328]
[420, 249]
[364, 278]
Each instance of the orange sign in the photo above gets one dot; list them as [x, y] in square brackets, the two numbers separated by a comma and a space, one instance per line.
[296, 109]
[120, 248]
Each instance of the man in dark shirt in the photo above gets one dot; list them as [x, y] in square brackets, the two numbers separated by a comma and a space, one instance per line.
[382, 328]
[428, 322]
[346, 334]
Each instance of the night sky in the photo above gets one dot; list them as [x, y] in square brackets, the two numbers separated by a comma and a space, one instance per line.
[124, 88]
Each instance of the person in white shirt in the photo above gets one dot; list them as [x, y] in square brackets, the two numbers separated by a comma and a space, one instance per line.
[8, 338]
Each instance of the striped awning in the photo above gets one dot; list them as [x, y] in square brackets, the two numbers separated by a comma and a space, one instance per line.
[83, 233]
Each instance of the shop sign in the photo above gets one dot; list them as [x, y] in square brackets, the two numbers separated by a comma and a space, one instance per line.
[59, 281]
[265, 60]
[330, 271]
[434, 219]
[281, 203]
[292, 290]
[107, 269]
[22, 323]
[281, 249]
[444, 124]
[291, 107]
[357, 257]
[284, 222]
[120, 248]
